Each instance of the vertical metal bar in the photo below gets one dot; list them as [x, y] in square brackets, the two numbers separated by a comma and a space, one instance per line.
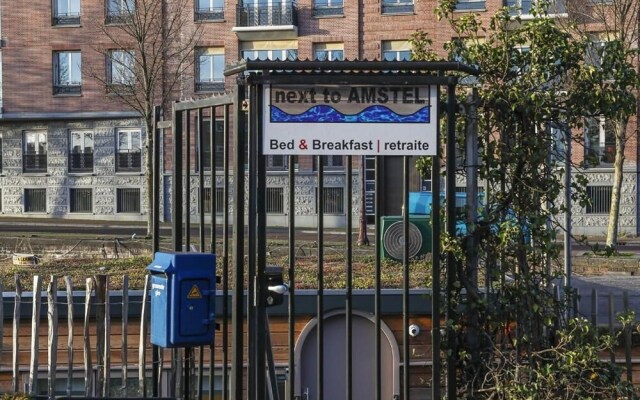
[435, 264]
[238, 248]
[213, 161]
[155, 246]
[292, 281]
[349, 267]
[187, 194]
[451, 231]
[176, 193]
[611, 325]
[627, 339]
[567, 224]
[378, 276]
[406, 361]
[320, 293]
[199, 142]
[261, 245]
[251, 292]
[225, 260]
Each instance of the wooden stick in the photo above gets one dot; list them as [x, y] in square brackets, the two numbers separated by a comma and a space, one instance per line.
[35, 327]
[52, 317]
[16, 332]
[69, 287]
[88, 367]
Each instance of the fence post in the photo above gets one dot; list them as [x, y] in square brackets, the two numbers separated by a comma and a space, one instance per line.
[52, 317]
[35, 327]
[1, 319]
[16, 332]
[100, 281]
[125, 322]
[107, 340]
[88, 367]
[69, 287]
[611, 326]
[627, 339]
[143, 338]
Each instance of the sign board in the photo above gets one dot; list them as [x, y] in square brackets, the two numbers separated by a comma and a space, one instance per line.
[24, 259]
[350, 120]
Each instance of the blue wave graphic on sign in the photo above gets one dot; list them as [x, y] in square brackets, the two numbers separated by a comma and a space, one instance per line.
[372, 114]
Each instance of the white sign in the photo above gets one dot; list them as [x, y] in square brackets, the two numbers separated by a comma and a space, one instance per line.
[350, 120]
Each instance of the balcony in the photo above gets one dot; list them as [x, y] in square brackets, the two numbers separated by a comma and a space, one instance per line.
[128, 161]
[328, 10]
[36, 163]
[209, 14]
[67, 89]
[66, 19]
[81, 162]
[267, 22]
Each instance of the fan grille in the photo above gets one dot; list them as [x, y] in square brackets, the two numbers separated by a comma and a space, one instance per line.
[393, 240]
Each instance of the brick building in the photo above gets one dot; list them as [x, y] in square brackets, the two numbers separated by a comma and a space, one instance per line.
[70, 150]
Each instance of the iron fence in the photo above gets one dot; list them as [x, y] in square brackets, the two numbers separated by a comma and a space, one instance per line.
[35, 162]
[128, 161]
[267, 15]
[81, 162]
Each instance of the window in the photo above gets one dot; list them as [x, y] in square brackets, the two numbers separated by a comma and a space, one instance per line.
[558, 140]
[66, 12]
[128, 200]
[219, 200]
[119, 11]
[523, 7]
[209, 10]
[1, 155]
[80, 151]
[464, 5]
[600, 141]
[280, 162]
[35, 152]
[275, 200]
[129, 154]
[328, 51]
[67, 72]
[330, 162]
[326, 8]
[397, 6]
[35, 200]
[209, 69]
[206, 144]
[80, 200]
[396, 50]
[333, 200]
[121, 67]
[599, 199]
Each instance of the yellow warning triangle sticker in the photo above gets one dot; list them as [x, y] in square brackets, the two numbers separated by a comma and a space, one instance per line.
[194, 293]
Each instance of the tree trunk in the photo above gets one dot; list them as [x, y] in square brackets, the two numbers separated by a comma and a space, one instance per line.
[148, 172]
[363, 239]
[614, 213]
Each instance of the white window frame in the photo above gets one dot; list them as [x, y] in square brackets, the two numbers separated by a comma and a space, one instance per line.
[75, 75]
[328, 51]
[40, 139]
[213, 54]
[121, 67]
[69, 5]
[115, 7]
[129, 134]
[209, 5]
[281, 54]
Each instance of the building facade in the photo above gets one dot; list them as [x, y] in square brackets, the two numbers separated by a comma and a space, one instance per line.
[71, 150]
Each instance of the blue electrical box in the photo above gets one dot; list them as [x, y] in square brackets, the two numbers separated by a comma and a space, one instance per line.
[183, 292]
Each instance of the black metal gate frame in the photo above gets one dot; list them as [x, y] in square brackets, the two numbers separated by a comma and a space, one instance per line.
[252, 76]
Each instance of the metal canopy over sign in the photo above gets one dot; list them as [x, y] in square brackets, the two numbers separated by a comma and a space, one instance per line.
[350, 120]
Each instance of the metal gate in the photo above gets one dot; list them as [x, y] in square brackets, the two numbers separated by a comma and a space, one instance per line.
[247, 360]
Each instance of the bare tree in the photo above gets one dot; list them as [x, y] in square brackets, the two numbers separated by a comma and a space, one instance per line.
[613, 26]
[148, 46]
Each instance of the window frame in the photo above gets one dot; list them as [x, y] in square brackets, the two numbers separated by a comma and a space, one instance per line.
[26, 197]
[329, 54]
[289, 54]
[121, 13]
[71, 202]
[274, 200]
[113, 63]
[84, 158]
[604, 194]
[120, 194]
[606, 145]
[471, 5]
[209, 13]
[131, 164]
[70, 86]
[214, 84]
[70, 18]
[341, 206]
[397, 7]
[39, 153]
[328, 8]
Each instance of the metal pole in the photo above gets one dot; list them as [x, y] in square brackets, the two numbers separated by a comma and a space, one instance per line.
[261, 210]
[155, 233]
[176, 194]
[252, 322]
[225, 260]
[238, 248]
[320, 292]
[452, 358]
[292, 282]
[349, 267]
[406, 358]
[567, 224]
[378, 274]
[435, 273]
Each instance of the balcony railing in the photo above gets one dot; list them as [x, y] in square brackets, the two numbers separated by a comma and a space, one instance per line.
[523, 7]
[463, 5]
[397, 7]
[327, 11]
[66, 19]
[210, 86]
[117, 17]
[262, 15]
[81, 162]
[35, 162]
[209, 14]
[67, 89]
[128, 161]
